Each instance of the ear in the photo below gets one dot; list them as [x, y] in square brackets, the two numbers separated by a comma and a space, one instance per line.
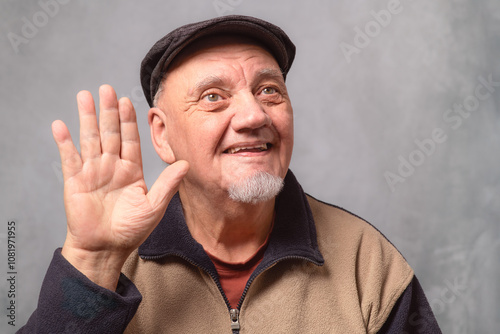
[158, 126]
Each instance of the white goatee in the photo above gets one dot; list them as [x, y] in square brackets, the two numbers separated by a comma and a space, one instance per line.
[259, 187]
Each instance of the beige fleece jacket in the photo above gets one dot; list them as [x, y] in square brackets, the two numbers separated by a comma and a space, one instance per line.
[353, 292]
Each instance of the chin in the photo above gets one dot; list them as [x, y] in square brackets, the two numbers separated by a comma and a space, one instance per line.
[258, 187]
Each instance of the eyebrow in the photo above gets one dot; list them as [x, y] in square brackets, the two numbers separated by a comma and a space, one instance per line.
[211, 80]
[269, 73]
[214, 80]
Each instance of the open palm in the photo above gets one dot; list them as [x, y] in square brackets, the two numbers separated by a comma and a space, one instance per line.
[108, 207]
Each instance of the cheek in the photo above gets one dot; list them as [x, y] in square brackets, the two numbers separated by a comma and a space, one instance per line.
[284, 126]
[175, 137]
[208, 132]
[285, 130]
[202, 137]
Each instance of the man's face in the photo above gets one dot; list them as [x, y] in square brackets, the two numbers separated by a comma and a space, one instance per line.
[228, 114]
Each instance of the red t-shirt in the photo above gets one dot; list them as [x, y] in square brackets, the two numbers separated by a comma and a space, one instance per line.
[234, 276]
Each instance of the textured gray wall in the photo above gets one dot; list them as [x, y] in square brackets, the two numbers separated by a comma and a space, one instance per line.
[359, 114]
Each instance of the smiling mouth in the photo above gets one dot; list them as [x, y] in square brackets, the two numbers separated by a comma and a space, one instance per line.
[251, 149]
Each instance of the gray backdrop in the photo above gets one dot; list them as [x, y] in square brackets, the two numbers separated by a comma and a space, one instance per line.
[377, 88]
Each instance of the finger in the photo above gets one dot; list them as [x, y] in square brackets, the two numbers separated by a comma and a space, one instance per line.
[109, 122]
[167, 185]
[130, 141]
[71, 163]
[90, 142]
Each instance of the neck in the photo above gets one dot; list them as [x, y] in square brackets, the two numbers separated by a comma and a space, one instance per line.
[229, 230]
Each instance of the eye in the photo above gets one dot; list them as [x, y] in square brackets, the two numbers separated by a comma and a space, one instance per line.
[212, 97]
[269, 90]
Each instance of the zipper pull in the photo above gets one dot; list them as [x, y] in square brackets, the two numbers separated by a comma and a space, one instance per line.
[235, 323]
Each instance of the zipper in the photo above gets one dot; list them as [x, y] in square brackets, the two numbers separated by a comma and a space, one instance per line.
[234, 314]
[272, 264]
[235, 319]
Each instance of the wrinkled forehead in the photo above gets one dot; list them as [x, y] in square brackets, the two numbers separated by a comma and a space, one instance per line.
[210, 43]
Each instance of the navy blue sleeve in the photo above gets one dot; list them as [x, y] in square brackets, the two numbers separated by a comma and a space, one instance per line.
[411, 314]
[70, 303]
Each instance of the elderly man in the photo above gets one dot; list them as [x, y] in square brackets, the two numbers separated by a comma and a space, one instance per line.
[225, 240]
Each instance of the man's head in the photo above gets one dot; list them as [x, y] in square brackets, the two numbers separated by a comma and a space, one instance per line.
[223, 106]
[165, 50]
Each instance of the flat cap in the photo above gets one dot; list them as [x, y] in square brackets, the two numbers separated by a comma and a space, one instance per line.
[157, 60]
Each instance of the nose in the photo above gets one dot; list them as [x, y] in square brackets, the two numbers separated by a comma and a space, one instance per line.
[249, 114]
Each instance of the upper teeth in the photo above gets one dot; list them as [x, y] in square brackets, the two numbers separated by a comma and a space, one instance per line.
[262, 147]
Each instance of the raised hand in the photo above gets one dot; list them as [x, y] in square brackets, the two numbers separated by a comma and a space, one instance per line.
[108, 207]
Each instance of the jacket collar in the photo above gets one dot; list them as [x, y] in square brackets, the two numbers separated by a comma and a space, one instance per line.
[293, 234]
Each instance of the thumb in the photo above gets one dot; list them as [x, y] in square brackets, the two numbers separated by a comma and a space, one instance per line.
[167, 185]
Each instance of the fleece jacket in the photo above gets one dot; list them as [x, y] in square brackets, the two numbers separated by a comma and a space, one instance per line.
[325, 270]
